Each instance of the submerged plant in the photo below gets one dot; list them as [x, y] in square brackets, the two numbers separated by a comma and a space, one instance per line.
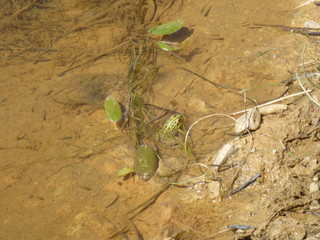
[168, 29]
[112, 109]
[146, 162]
[168, 46]
[125, 172]
[138, 120]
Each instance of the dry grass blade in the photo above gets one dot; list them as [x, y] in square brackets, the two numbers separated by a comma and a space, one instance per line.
[25, 8]
[306, 91]
[304, 3]
[200, 119]
[93, 59]
[299, 80]
[141, 207]
[209, 81]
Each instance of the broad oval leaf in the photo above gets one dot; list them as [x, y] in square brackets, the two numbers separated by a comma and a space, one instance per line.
[113, 109]
[146, 162]
[167, 28]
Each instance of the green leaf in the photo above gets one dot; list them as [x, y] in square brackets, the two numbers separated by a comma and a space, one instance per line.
[146, 162]
[165, 46]
[125, 171]
[167, 28]
[113, 109]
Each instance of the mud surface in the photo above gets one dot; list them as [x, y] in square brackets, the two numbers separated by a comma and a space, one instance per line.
[59, 155]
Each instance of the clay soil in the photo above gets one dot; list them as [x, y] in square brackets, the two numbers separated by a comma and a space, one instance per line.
[59, 155]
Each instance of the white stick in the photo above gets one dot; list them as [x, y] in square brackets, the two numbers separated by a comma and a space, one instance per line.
[273, 101]
[305, 3]
[306, 92]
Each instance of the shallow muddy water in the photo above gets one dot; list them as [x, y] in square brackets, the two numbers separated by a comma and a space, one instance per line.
[60, 156]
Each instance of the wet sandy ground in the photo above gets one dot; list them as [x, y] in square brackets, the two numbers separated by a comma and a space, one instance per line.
[60, 156]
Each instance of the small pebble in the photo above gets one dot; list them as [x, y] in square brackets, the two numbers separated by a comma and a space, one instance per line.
[214, 188]
[253, 150]
[314, 187]
[251, 120]
[311, 24]
[224, 153]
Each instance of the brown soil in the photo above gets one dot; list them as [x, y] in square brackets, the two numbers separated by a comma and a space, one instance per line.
[59, 155]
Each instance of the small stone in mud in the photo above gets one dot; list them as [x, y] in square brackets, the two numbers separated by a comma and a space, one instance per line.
[311, 24]
[314, 187]
[224, 153]
[249, 121]
[214, 188]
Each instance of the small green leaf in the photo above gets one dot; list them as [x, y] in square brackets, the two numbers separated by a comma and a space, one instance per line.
[125, 171]
[165, 46]
[167, 28]
[146, 162]
[113, 109]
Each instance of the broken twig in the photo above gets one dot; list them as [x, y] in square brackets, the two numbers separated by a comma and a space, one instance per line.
[252, 180]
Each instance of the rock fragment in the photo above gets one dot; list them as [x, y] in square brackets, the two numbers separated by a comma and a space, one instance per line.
[249, 121]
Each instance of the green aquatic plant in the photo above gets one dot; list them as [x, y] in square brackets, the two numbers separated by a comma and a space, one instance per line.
[125, 172]
[146, 162]
[168, 46]
[112, 109]
[138, 120]
[167, 28]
